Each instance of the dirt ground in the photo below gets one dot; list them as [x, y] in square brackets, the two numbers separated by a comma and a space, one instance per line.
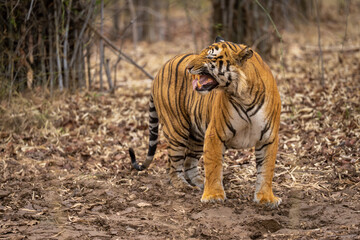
[65, 172]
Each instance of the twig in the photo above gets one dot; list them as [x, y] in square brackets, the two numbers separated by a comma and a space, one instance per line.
[126, 57]
[319, 42]
[30, 9]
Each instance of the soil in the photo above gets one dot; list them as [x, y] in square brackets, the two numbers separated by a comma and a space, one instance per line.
[65, 172]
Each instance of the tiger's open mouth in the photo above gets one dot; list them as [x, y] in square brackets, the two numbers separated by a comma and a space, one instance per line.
[203, 82]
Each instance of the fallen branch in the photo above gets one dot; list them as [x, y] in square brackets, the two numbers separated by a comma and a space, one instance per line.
[126, 57]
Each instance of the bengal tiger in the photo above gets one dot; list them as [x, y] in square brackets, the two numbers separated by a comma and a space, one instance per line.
[224, 97]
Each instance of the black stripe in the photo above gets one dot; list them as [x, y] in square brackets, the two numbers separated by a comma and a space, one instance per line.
[221, 62]
[259, 106]
[237, 110]
[231, 47]
[234, 45]
[178, 171]
[153, 137]
[153, 120]
[152, 150]
[254, 101]
[243, 110]
[176, 158]
[227, 65]
[267, 125]
[239, 46]
[218, 135]
[266, 144]
[188, 169]
[194, 155]
[178, 112]
[259, 161]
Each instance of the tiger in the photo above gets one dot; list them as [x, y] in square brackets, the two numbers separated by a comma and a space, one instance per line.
[225, 97]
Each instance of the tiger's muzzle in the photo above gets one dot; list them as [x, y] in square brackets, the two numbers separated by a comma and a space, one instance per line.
[202, 81]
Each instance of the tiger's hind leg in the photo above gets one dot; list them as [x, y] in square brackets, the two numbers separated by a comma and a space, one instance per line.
[176, 167]
[194, 152]
[265, 164]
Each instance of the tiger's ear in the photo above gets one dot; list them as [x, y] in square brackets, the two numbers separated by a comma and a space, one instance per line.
[242, 56]
[219, 39]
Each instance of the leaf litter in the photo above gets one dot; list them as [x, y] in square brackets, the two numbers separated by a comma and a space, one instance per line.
[65, 171]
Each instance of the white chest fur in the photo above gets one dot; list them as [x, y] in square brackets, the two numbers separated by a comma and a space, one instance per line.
[248, 131]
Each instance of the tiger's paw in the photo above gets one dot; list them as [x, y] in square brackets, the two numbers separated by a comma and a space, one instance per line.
[268, 199]
[213, 196]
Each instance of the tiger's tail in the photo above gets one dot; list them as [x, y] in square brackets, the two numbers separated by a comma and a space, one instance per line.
[153, 139]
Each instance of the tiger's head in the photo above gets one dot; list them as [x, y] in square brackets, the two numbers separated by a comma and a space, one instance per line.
[219, 66]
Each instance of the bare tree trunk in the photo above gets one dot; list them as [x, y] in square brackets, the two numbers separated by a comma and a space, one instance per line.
[88, 63]
[115, 18]
[57, 43]
[101, 44]
[43, 56]
[66, 43]
[319, 42]
[81, 67]
[134, 25]
[108, 74]
[51, 63]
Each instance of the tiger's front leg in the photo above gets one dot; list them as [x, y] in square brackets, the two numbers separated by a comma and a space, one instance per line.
[213, 156]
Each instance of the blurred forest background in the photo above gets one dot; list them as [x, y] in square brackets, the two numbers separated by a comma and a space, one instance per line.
[57, 45]
[75, 79]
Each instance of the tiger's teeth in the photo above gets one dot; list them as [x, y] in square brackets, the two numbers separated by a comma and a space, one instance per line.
[198, 84]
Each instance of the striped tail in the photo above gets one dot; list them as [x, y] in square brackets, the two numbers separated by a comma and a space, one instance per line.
[153, 141]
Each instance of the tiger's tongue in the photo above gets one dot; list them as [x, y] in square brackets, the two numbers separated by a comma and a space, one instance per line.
[201, 81]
